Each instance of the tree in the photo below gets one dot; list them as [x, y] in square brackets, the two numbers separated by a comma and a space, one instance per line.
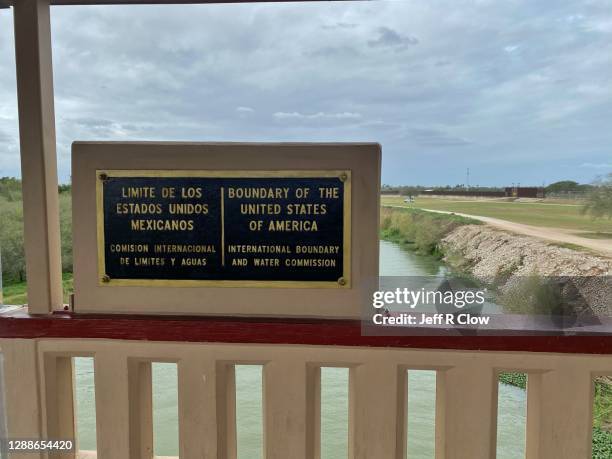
[11, 230]
[10, 189]
[565, 186]
[599, 200]
[65, 205]
[11, 241]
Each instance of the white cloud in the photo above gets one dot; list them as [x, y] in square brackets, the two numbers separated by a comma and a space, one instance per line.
[317, 116]
[244, 110]
[339, 25]
[597, 165]
[574, 18]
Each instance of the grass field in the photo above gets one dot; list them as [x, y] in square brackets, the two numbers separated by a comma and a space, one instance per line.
[15, 293]
[553, 215]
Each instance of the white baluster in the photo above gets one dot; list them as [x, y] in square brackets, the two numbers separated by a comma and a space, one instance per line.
[466, 412]
[286, 410]
[377, 393]
[59, 400]
[23, 404]
[140, 392]
[313, 412]
[202, 409]
[112, 405]
[559, 414]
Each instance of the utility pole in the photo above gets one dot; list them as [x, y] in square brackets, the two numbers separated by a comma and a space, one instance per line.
[468, 178]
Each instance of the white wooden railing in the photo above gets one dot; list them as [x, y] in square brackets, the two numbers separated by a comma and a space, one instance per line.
[40, 397]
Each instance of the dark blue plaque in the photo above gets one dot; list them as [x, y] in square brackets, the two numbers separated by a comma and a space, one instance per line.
[284, 228]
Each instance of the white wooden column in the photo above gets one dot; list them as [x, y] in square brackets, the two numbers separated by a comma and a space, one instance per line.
[285, 409]
[140, 387]
[377, 407]
[38, 156]
[59, 400]
[23, 404]
[112, 405]
[313, 412]
[200, 428]
[559, 414]
[466, 412]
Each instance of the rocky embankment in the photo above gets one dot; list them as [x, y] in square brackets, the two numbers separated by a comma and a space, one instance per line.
[504, 259]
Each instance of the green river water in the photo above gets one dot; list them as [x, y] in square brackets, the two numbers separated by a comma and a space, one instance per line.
[334, 396]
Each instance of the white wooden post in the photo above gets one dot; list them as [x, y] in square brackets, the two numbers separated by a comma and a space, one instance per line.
[59, 400]
[38, 156]
[112, 405]
[313, 411]
[466, 412]
[286, 409]
[559, 414]
[377, 404]
[141, 412]
[23, 404]
[201, 391]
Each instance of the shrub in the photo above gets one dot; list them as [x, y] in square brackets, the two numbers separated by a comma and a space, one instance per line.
[11, 231]
[11, 241]
[420, 229]
[599, 200]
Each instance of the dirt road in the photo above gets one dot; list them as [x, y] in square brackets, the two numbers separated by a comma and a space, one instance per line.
[600, 246]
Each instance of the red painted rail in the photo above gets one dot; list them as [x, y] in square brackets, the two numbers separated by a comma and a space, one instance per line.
[20, 324]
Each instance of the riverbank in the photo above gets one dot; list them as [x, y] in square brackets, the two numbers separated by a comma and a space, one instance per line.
[596, 243]
[418, 230]
[516, 265]
[499, 259]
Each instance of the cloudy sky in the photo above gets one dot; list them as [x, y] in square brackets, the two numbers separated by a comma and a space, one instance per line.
[516, 90]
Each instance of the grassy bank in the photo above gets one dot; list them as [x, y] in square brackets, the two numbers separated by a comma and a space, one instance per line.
[551, 215]
[419, 230]
[16, 292]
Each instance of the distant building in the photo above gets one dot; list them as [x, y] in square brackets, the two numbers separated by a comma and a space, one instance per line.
[509, 192]
[525, 192]
[465, 193]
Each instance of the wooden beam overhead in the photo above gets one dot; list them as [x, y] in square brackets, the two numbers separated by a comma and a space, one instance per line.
[9, 3]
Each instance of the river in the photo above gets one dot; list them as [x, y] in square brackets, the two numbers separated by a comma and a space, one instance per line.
[394, 261]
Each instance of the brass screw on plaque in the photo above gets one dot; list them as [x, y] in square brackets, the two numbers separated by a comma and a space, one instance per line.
[105, 279]
[342, 281]
[103, 177]
[343, 177]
